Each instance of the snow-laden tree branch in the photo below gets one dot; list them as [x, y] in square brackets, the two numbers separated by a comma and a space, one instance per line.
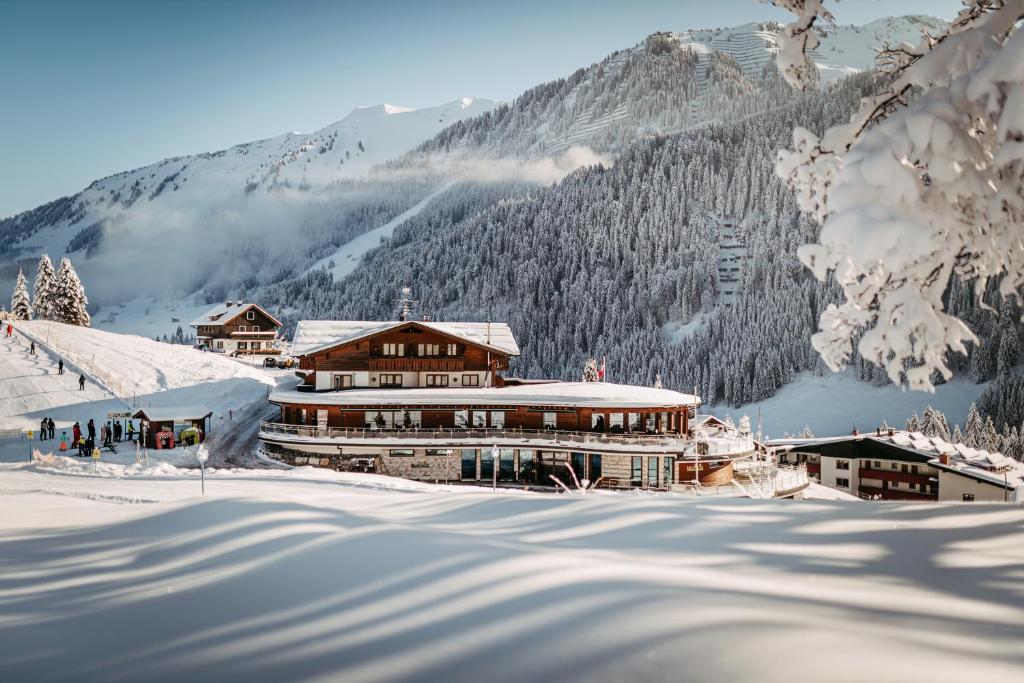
[924, 183]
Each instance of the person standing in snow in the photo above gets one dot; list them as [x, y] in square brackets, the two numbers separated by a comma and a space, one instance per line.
[90, 427]
[131, 431]
[76, 433]
[10, 329]
[81, 382]
[32, 349]
[60, 366]
[63, 442]
[53, 428]
[42, 429]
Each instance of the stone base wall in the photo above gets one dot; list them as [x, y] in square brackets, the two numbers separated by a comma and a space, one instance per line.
[419, 466]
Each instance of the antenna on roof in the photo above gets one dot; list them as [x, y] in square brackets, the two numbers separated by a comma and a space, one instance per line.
[406, 303]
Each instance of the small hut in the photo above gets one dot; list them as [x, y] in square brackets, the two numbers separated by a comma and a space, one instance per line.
[162, 419]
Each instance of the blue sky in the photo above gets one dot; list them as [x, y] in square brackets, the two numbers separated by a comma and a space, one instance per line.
[92, 88]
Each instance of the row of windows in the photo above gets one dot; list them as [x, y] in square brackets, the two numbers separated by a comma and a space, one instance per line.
[421, 349]
[395, 380]
[244, 346]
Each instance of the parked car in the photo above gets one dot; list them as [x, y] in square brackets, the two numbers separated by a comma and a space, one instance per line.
[270, 362]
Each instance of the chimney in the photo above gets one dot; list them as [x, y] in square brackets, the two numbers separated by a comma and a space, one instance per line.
[944, 458]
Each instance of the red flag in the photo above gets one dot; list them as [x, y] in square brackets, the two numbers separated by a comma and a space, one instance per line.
[600, 373]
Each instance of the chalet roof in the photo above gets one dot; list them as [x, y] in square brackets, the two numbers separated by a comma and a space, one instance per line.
[173, 413]
[221, 314]
[560, 394]
[317, 335]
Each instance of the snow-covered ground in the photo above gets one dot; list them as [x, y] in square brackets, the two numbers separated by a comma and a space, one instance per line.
[315, 575]
[122, 371]
[831, 405]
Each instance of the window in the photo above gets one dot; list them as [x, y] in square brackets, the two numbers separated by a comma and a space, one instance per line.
[616, 422]
[842, 483]
[913, 469]
[443, 452]
[342, 381]
[468, 463]
[453, 349]
[636, 477]
[550, 420]
[526, 466]
[437, 380]
[595, 467]
[878, 465]
[394, 349]
[497, 419]
[471, 380]
[652, 472]
[865, 464]
[220, 345]
[250, 315]
[242, 346]
[255, 328]
[429, 350]
[842, 464]
[486, 465]
[255, 346]
[904, 469]
[402, 452]
[668, 470]
[242, 328]
[480, 418]
[393, 380]
[968, 497]
[462, 418]
[507, 464]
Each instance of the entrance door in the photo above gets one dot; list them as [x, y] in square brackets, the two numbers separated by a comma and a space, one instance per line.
[321, 421]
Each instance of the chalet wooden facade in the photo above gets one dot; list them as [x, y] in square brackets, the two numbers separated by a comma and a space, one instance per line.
[430, 400]
[238, 328]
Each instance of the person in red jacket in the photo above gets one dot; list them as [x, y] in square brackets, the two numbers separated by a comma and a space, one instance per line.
[76, 433]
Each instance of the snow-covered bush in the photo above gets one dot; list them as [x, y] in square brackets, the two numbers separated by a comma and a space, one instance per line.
[923, 185]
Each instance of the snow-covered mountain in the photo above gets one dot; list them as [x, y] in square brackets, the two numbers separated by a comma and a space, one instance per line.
[294, 161]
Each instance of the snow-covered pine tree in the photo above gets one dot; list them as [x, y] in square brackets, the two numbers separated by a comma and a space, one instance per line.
[934, 424]
[957, 437]
[914, 423]
[590, 370]
[70, 302]
[44, 289]
[21, 308]
[990, 437]
[942, 171]
[807, 433]
[974, 435]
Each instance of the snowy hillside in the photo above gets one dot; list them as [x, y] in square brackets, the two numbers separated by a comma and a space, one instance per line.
[121, 371]
[318, 575]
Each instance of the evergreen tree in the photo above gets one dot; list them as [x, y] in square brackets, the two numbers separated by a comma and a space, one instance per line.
[914, 423]
[44, 290]
[957, 437]
[21, 309]
[70, 301]
[974, 429]
[1006, 358]
[990, 437]
[590, 370]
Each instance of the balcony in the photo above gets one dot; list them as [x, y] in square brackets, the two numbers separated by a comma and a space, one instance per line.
[416, 364]
[556, 440]
[894, 475]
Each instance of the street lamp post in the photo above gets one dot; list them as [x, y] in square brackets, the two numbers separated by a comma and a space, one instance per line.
[202, 456]
[495, 455]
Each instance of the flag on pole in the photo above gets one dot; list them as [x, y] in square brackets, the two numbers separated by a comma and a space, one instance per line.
[600, 373]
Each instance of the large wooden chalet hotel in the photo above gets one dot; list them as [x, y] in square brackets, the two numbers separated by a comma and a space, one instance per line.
[428, 400]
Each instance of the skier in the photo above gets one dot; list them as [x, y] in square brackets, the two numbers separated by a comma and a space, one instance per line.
[131, 430]
[91, 428]
[49, 423]
[9, 329]
[32, 349]
[60, 366]
[81, 382]
[63, 442]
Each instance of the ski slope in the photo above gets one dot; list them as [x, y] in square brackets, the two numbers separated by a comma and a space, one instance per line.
[122, 371]
[317, 575]
[347, 257]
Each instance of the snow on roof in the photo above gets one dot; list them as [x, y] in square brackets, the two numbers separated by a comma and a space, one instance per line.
[317, 335]
[565, 394]
[227, 311]
[171, 413]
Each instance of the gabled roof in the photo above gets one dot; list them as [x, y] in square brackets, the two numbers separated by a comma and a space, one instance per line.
[221, 314]
[318, 335]
[172, 413]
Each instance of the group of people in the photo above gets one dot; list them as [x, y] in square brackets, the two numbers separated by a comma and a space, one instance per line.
[46, 428]
[85, 442]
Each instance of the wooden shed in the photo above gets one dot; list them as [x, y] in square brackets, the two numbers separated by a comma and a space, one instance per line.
[164, 418]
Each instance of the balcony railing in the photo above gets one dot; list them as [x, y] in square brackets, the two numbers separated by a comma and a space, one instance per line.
[417, 364]
[676, 443]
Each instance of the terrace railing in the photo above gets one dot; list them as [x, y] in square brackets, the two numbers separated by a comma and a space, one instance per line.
[468, 434]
